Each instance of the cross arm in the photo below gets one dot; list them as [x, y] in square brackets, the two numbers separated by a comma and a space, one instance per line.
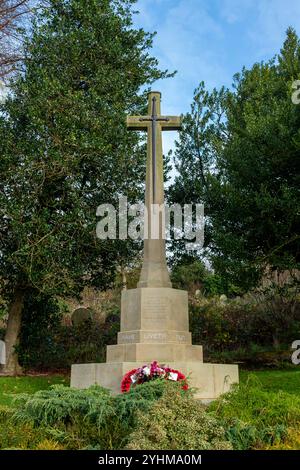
[134, 123]
[174, 123]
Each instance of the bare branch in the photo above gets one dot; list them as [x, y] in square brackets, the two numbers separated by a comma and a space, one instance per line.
[13, 15]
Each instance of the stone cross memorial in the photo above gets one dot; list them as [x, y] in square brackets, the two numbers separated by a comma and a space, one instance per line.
[154, 316]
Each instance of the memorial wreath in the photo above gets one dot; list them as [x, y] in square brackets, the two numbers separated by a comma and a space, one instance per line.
[151, 372]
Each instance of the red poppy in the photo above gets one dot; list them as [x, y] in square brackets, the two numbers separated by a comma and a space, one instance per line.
[142, 375]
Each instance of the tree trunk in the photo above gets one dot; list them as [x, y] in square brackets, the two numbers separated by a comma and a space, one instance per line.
[12, 366]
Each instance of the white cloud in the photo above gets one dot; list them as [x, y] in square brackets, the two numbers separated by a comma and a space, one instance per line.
[273, 18]
[210, 40]
[185, 32]
[234, 11]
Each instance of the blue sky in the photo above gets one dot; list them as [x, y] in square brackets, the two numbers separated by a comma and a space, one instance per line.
[211, 40]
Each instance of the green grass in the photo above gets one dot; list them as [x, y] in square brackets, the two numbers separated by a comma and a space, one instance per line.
[271, 380]
[264, 412]
[11, 386]
[276, 380]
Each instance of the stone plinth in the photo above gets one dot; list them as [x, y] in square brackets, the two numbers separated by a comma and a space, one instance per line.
[145, 352]
[154, 326]
[210, 380]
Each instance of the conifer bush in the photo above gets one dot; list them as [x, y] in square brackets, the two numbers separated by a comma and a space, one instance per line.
[178, 421]
[81, 419]
[151, 416]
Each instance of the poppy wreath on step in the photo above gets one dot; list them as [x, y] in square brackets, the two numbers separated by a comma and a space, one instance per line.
[151, 372]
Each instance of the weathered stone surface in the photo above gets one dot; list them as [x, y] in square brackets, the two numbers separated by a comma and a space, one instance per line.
[145, 352]
[154, 272]
[154, 309]
[80, 315]
[209, 380]
[154, 336]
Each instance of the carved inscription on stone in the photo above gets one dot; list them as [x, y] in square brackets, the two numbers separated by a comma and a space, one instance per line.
[155, 337]
[155, 308]
[181, 338]
[128, 338]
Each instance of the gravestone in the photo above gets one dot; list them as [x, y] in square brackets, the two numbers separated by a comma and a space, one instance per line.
[154, 316]
[81, 315]
[2, 353]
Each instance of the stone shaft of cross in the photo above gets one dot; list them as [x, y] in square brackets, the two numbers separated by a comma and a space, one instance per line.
[154, 271]
[154, 118]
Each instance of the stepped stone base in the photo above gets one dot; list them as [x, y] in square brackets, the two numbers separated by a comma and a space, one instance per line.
[209, 380]
[155, 327]
[144, 353]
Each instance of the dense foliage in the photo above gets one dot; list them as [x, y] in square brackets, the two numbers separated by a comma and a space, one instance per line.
[109, 420]
[48, 343]
[65, 149]
[256, 418]
[155, 415]
[189, 273]
[177, 421]
[257, 330]
[238, 154]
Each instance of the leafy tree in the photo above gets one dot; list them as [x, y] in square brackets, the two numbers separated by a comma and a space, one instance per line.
[189, 276]
[239, 154]
[65, 150]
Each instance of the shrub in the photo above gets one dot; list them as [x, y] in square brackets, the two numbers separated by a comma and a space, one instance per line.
[257, 330]
[63, 417]
[40, 322]
[23, 436]
[244, 436]
[59, 413]
[152, 416]
[254, 417]
[177, 421]
[291, 442]
[64, 405]
[250, 403]
[47, 344]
